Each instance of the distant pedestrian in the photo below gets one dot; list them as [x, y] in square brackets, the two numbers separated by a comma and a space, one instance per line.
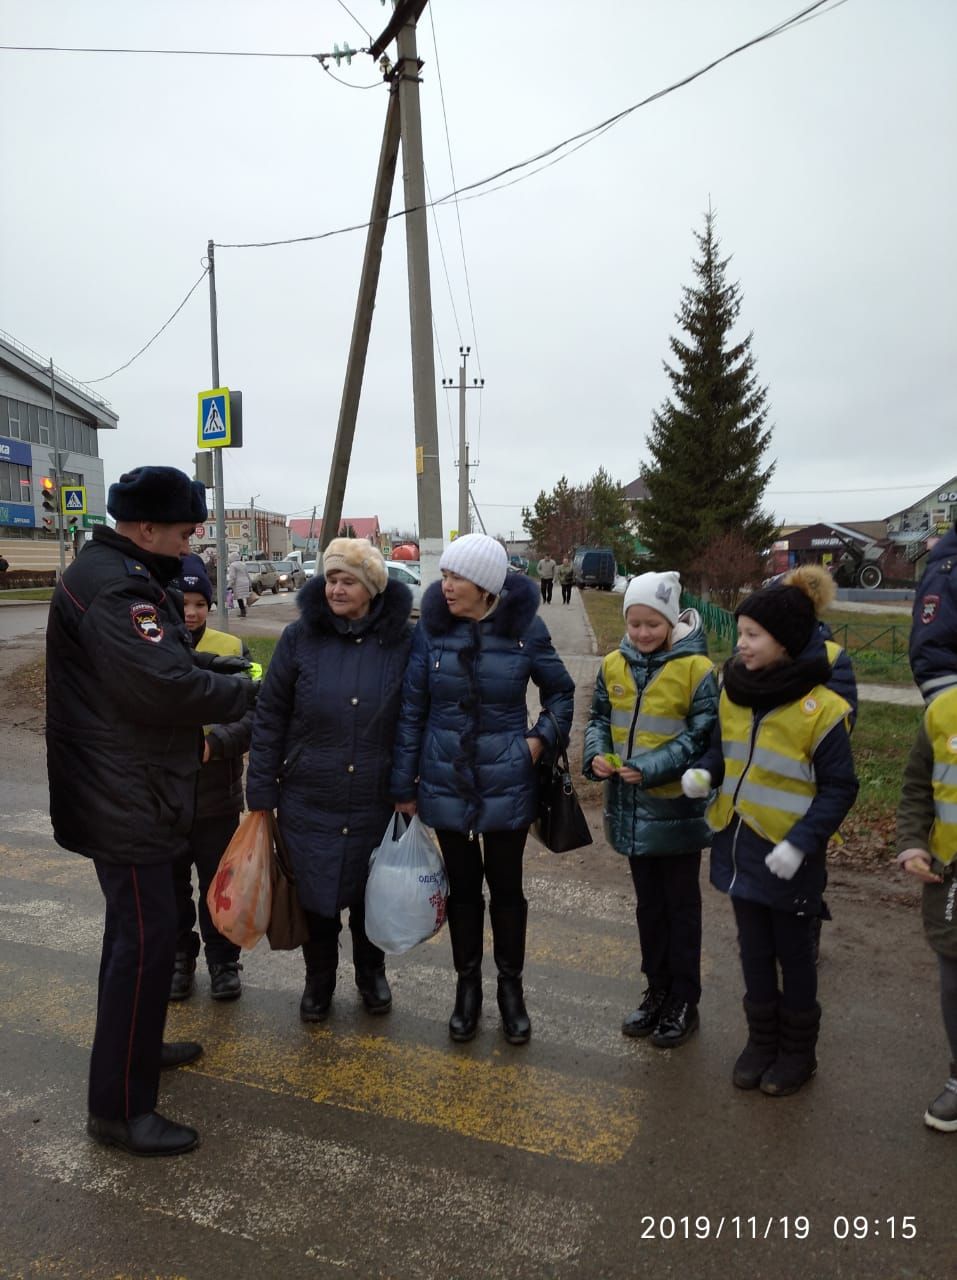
[546, 575]
[126, 699]
[927, 844]
[781, 759]
[566, 579]
[653, 711]
[238, 581]
[4, 564]
[466, 762]
[219, 802]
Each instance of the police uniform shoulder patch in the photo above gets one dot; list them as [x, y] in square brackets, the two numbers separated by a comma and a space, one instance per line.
[136, 568]
[146, 622]
[928, 608]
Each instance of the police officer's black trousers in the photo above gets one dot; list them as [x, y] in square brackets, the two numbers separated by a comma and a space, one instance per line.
[668, 913]
[136, 966]
[207, 844]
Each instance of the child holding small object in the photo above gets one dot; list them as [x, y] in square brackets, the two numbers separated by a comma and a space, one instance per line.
[653, 711]
[927, 840]
[781, 759]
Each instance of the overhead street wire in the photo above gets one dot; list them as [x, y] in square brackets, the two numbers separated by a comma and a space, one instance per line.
[106, 376]
[582, 138]
[177, 53]
[355, 19]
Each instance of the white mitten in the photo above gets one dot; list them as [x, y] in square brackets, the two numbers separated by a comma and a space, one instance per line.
[784, 860]
[696, 783]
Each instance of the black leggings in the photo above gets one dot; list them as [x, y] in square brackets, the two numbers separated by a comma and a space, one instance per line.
[498, 860]
[768, 938]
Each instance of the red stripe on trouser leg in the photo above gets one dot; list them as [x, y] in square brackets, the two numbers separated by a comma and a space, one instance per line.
[136, 994]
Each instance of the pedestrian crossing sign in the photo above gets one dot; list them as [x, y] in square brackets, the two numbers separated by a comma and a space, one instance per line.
[73, 499]
[214, 430]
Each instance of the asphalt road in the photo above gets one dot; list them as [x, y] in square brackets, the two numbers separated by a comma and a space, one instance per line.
[374, 1147]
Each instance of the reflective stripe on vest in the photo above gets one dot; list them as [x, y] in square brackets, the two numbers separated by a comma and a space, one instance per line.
[662, 710]
[219, 642]
[768, 772]
[940, 722]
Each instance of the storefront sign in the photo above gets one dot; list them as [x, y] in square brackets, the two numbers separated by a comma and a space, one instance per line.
[17, 514]
[15, 451]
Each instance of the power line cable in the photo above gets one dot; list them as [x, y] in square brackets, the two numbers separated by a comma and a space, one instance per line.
[445, 268]
[106, 376]
[355, 19]
[348, 83]
[581, 138]
[458, 214]
[177, 53]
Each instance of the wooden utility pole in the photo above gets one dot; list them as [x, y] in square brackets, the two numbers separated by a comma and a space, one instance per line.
[403, 123]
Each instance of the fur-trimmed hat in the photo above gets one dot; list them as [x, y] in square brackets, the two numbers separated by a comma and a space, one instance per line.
[361, 559]
[163, 495]
[479, 559]
[193, 577]
[658, 591]
[789, 609]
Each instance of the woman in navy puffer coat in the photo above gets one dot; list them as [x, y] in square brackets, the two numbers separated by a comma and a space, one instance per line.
[322, 751]
[465, 760]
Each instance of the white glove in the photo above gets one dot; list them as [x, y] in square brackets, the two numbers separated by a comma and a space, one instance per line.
[784, 860]
[696, 783]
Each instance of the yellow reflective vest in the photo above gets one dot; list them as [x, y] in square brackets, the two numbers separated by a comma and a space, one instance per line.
[768, 762]
[219, 642]
[940, 721]
[660, 713]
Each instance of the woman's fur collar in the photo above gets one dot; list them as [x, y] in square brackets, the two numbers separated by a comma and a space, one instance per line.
[514, 614]
[388, 617]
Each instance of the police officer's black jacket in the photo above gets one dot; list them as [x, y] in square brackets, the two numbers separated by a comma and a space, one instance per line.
[125, 704]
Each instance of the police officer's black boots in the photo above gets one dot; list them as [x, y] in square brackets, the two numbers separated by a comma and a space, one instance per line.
[466, 930]
[508, 940]
[369, 963]
[184, 968]
[321, 960]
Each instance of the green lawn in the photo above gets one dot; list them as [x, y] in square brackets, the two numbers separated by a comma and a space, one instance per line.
[28, 593]
[262, 648]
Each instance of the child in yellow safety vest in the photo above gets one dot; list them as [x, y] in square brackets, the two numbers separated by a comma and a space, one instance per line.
[927, 844]
[781, 762]
[653, 711]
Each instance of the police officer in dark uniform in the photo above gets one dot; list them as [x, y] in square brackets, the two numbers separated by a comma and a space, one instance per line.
[126, 699]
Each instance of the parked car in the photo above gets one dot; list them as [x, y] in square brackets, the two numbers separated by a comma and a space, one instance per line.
[409, 572]
[518, 563]
[595, 567]
[309, 568]
[291, 575]
[262, 576]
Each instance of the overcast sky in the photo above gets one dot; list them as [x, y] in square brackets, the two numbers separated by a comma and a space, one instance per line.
[827, 153]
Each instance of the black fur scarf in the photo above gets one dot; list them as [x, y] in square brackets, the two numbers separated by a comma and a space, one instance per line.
[516, 609]
[387, 619]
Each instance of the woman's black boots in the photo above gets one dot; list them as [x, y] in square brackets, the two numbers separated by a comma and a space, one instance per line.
[466, 930]
[508, 938]
[321, 960]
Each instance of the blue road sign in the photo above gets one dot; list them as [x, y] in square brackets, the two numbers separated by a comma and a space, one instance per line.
[214, 424]
[73, 499]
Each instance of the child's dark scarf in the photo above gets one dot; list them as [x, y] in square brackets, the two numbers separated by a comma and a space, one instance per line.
[774, 686]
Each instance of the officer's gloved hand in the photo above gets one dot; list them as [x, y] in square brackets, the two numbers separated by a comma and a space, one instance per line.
[696, 783]
[784, 860]
[227, 664]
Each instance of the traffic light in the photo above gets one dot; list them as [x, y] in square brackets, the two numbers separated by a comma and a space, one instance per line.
[203, 467]
[48, 500]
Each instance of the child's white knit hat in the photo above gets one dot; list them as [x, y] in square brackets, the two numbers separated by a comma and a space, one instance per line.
[659, 591]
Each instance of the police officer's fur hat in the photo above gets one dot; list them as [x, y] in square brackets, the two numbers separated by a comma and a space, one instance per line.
[163, 495]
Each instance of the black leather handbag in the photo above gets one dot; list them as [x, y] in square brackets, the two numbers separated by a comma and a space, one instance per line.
[561, 824]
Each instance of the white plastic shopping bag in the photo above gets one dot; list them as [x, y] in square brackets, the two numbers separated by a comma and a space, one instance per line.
[406, 889]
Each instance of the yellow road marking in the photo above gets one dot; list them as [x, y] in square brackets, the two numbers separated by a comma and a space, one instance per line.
[498, 1099]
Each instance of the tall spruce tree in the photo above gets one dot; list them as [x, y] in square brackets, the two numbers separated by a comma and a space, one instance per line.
[708, 439]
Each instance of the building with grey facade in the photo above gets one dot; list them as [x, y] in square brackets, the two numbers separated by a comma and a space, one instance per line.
[30, 449]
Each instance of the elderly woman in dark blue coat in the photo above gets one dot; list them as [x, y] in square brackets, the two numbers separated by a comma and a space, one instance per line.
[322, 751]
[466, 762]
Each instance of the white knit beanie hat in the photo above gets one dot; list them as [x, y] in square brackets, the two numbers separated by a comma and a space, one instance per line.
[479, 559]
[358, 557]
[659, 591]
